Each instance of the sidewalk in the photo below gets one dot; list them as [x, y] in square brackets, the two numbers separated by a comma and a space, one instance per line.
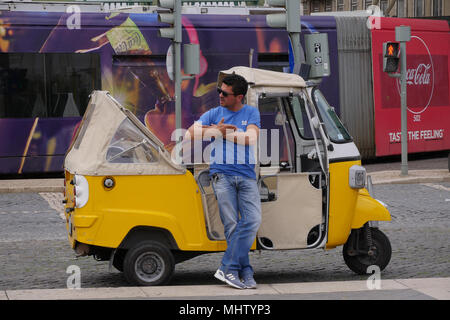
[399, 289]
[32, 185]
[414, 176]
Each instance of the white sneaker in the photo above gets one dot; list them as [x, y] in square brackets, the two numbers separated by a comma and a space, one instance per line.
[219, 275]
[231, 278]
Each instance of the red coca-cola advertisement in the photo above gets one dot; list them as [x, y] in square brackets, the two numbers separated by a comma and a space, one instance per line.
[427, 77]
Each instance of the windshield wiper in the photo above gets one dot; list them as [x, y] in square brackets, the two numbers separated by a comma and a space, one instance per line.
[125, 151]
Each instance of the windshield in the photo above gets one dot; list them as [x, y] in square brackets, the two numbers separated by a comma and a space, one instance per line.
[335, 129]
[130, 145]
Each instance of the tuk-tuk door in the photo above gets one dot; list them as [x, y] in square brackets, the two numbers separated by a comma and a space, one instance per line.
[293, 210]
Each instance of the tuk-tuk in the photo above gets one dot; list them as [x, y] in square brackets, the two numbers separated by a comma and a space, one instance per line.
[129, 201]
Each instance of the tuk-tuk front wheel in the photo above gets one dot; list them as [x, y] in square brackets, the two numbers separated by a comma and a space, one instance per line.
[148, 264]
[357, 254]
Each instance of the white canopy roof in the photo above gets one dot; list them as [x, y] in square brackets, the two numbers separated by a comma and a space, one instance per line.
[265, 81]
[112, 141]
[259, 77]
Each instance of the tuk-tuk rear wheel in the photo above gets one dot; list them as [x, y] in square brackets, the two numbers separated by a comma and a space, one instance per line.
[148, 264]
[360, 260]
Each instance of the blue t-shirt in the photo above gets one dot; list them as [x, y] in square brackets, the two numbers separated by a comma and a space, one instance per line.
[227, 157]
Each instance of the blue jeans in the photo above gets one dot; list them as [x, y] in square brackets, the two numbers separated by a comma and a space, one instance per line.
[240, 211]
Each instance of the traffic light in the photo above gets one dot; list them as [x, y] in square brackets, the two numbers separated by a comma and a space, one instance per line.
[289, 20]
[173, 17]
[391, 56]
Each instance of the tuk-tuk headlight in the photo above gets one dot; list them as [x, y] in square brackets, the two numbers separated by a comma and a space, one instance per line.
[357, 177]
[81, 191]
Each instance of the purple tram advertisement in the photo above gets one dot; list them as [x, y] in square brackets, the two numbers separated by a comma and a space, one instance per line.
[49, 65]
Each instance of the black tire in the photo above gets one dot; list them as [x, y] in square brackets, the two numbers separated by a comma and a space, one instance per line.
[381, 257]
[118, 259]
[150, 263]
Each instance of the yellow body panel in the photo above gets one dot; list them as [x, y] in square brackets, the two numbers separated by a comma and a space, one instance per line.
[349, 208]
[342, 203]
[170, 202]
[368, 209]
[173, 203]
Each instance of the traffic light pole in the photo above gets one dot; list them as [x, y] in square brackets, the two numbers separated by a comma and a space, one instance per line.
[174, 33]
[177, 79]
[403, 34]
[291, 21]
[297, 50]
[403, 96]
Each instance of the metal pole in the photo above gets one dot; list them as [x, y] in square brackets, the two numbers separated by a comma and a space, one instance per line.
[403, 35]
[403, 96]
[299, 55]
[293, 26]
[177, 80]
[177, 67]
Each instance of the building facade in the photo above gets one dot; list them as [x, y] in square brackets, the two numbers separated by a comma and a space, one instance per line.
[389, 8]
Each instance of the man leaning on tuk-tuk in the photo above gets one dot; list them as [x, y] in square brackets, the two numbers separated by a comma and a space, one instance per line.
[235, 129]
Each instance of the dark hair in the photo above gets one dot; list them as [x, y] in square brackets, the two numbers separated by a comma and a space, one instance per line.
[237, 83]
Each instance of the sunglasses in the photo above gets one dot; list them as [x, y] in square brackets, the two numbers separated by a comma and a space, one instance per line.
[225, 94]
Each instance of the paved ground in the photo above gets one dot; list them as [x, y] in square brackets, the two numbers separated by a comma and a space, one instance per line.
[34, 252]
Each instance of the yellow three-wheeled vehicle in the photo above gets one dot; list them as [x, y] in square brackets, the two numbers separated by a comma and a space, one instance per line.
[128, 200]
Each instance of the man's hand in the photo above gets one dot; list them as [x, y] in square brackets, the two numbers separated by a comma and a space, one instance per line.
[248, 137]
[199, 132]
[224, 128]
[227, 131]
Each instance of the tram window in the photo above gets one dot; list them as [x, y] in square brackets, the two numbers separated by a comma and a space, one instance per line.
[273, 61]
[141, 82]
[47, 85]
[269, 105]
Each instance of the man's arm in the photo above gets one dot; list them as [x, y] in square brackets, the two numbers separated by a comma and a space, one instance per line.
[198, 131]
[247, 138]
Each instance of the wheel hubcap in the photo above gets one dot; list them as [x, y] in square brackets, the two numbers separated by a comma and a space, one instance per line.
[149, 267]
[371, 257]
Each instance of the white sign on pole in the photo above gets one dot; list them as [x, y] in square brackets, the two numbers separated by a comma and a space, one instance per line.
[169, 62]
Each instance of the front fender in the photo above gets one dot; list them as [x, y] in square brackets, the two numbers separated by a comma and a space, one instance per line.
[368, 209]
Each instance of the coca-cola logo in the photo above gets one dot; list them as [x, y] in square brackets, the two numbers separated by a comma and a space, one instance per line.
[419, 76]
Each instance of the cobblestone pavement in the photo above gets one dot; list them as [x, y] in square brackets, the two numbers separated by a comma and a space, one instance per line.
[35, 253]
